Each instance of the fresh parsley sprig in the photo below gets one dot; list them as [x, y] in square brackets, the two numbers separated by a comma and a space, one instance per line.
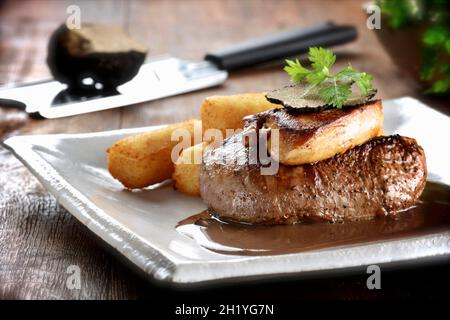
[333, 88]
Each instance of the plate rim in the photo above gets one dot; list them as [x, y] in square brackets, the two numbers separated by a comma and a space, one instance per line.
[160, 267]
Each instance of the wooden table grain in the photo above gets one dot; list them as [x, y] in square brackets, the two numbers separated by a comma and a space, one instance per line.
[39, 239]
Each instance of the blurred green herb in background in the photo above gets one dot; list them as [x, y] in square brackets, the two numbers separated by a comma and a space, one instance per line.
[435, 15]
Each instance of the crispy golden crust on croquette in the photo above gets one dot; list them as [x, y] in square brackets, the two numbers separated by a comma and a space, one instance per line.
[226, 112]
[141, 160]
[187, 170]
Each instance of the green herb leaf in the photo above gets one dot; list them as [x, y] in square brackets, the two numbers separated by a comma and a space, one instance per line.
[316, 77]
[335, 94]
[321, 58]
[333, 89]
[361, 79]
[295, 70]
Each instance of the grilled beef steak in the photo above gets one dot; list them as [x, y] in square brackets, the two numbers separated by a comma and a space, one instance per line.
[382, 176]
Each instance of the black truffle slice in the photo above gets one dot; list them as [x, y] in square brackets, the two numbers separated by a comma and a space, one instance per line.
[305, 98]
[97, 55]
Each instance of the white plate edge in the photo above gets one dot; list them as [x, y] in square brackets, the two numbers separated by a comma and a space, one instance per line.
[184, 273]
[112, 232]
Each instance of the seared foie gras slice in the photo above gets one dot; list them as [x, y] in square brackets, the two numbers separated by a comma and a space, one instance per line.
[310, 137]
[382, 176]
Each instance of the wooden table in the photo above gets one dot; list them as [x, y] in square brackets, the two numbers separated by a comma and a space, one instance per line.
[39, 241]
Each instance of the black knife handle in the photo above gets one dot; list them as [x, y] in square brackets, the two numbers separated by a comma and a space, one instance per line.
[281, 45]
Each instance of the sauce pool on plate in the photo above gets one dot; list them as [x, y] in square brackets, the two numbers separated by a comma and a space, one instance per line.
[430, 215]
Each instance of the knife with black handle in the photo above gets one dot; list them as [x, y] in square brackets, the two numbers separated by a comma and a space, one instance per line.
[281, 45]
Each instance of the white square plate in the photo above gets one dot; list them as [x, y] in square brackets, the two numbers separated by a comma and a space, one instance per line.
[141, 225]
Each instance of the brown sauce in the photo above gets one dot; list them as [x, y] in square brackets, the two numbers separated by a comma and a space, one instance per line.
[431, 215]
